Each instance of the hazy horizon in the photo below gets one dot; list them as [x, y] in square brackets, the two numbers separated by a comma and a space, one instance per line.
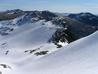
[61, 6]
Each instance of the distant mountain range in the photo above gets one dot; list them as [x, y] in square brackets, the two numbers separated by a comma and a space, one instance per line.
[71, 26]
[86, 18]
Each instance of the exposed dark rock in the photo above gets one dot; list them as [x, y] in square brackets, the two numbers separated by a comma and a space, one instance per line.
[70, 30]
[5, 30]
[5, 66]
[86, 18]
[31, 51]
[41, 53]
[6, 53]
[10, 14]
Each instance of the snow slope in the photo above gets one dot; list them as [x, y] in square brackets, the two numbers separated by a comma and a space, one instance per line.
[18, 52]
[80, 57]
[25, 41]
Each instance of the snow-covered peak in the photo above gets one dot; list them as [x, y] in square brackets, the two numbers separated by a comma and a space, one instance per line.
[13, 11]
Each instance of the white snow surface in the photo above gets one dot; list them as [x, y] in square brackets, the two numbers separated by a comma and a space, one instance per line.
[79, 57]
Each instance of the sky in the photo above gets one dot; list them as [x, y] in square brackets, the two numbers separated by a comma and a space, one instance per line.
[63, 6]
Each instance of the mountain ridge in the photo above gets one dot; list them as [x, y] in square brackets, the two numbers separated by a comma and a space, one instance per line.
[77, 29]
